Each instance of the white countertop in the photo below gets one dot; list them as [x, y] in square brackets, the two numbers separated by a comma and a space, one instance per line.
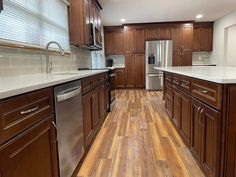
[217, 74]
[12, 86]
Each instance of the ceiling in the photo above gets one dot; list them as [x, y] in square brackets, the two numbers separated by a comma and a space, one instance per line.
[141, 11]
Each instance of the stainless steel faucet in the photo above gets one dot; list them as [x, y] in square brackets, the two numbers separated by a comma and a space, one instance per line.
[49, 67]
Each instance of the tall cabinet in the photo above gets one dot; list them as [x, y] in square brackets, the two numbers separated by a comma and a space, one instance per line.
[134, 46]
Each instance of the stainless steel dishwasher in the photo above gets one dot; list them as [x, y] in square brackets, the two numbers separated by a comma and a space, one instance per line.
[69, 120]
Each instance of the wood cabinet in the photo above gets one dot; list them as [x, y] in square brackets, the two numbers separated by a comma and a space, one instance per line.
[95, 91]
[114, 40]
[139, 41]
[120, 78]
[129, 41]
[139, 70]
[81, 14]
[203, 37]
[28, 135]
[199, 125]
[129, 71]
[158, 33]
[134, 70]
[185, 117]
[36, 148]
[182, 37]
[110, 40]
[176, 108]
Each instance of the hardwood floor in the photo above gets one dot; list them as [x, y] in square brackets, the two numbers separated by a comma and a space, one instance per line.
[138, 140]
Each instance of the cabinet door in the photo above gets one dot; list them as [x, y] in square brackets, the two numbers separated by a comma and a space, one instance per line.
[210, 149]
[110, 42]
[206, 36]
[129, 71]
[176, 58]
[88, 121]
[32, 153]
[187, 37]
[119, 43]
[165, 33]
[177, 38]
[186, 58]
[102, 109]
[129, 40]
[139, 69]
[185, 117]
[152, 34]
[107, 99]
[196, 129]
[120, 78]
[139, 41]
[176, 108]
[95, 109]
[196, 39]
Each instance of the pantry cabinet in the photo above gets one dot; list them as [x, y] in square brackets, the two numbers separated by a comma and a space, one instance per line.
[139, 41]
[129, 71]
[129, 41]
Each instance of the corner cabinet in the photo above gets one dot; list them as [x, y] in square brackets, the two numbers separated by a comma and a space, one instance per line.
[81, 14]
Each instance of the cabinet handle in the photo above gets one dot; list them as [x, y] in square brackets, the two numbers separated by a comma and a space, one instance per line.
[204, 91]
[29, 110]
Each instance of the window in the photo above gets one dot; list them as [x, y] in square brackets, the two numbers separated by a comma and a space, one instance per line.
[34, 22]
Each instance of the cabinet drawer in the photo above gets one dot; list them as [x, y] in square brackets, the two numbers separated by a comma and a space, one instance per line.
[168, 77]
[210, 93]
[185, 84]
[21, 112]
[176, 80]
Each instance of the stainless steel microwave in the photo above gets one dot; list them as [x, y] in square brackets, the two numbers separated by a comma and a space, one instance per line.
[95, 37]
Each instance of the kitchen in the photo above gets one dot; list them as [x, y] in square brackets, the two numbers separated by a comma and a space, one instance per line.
[117, 88]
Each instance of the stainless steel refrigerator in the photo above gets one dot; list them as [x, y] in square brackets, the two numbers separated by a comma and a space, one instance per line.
[159, 54]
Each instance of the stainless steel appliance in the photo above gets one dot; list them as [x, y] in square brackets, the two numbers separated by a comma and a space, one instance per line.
[69, 120]
[159, 54]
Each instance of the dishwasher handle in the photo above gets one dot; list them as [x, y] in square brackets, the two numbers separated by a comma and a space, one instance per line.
[69, 93]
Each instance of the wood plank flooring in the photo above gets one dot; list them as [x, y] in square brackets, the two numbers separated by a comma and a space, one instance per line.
[138, 140]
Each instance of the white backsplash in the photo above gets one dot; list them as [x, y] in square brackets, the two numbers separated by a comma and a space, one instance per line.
[118, 60]
[22, 61]
[201, 57]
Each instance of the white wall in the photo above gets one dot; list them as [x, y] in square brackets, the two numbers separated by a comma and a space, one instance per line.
[219, 38]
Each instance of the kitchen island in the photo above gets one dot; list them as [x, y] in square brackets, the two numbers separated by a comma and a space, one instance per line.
[200, 101]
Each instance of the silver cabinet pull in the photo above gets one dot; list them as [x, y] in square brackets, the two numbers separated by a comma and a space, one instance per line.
[67, 94]
[29, 110]
[204, 91]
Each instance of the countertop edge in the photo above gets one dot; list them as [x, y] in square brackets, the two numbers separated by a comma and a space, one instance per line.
[31, 88]
[206, 78]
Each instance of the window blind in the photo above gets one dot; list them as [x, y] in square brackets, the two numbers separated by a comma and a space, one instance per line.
[35, 22]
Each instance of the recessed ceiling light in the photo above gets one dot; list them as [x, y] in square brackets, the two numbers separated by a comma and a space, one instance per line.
[199, 16]
[123, 20]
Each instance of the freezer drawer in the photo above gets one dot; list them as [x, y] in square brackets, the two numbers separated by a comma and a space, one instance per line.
[154, 82]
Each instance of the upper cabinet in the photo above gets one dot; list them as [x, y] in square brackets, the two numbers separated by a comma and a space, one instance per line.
[114, 40]
[203, 37]
[83, 13]
[158, 33]
[1, 6]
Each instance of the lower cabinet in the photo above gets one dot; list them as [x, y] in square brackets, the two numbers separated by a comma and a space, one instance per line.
[185, 117]
[95, 106]
[176, 108]
[31, 153]
[120, 78]
[206, 133]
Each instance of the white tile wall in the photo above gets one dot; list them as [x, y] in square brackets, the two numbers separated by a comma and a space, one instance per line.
[21, 61]
[201, 58]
